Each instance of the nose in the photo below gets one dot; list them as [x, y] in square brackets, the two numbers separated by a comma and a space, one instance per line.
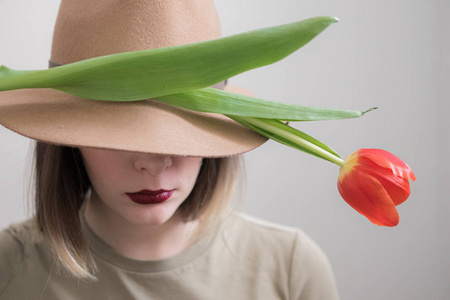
[155, 164]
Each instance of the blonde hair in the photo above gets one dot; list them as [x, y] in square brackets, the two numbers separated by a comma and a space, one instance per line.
[61, 185]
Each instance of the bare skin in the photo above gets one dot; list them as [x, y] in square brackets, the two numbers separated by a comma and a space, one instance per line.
[141, 232]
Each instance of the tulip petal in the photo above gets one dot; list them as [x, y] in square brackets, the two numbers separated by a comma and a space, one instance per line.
[388, 161]
[368, 196]
[397, 187]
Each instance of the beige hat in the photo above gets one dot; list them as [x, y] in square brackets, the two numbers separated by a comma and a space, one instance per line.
[86, 29]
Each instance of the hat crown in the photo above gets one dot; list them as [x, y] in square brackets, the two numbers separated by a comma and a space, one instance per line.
[92, 28]
[87, 28]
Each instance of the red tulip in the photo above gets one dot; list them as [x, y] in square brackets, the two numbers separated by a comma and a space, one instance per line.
[373, 182]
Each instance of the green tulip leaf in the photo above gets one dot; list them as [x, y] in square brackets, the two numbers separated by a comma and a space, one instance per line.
[157, 72]
[218, 101]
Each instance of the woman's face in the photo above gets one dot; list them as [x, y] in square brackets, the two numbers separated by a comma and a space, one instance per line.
[140, 188]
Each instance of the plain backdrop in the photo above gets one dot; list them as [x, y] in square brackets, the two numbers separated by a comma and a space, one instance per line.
[392, 54]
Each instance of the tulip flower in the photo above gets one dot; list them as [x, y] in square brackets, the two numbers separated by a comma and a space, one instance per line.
[373, 182]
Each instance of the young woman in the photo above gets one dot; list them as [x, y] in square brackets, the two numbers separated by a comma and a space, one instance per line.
[136, 200]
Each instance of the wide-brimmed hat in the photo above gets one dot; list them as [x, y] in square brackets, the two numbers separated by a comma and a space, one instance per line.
[86, 29]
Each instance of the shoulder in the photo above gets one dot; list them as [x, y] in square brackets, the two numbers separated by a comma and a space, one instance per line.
[21, 230]
[247, 230]
[288, 252]
[13, 244]
[13, 241]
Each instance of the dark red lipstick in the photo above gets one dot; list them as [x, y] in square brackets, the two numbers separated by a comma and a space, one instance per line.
[150, 197]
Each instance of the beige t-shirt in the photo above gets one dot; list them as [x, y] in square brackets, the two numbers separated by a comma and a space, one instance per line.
[246, 259]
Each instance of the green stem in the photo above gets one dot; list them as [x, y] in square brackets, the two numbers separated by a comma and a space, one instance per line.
[277, 131]
[319, 151]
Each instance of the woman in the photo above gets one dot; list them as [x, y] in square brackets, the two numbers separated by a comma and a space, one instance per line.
[134, 200]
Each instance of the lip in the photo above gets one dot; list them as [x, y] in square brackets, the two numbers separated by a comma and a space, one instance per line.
[150, 197]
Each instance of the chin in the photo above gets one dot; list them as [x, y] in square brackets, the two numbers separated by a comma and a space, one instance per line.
[152, 216]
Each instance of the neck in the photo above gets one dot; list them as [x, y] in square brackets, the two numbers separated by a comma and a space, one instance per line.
[140, 241]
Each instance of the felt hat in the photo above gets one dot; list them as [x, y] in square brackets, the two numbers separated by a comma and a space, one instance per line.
[86, 29]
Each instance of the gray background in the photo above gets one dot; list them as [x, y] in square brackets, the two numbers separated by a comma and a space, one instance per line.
[390, 54]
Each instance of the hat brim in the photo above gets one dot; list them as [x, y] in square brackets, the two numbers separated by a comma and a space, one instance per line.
[143, 126]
